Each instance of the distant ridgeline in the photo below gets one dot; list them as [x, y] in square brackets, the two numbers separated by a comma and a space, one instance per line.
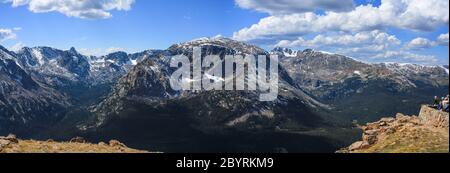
[51, 93]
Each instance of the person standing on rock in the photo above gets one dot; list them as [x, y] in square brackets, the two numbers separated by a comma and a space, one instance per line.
[436, 102]
[445, 105]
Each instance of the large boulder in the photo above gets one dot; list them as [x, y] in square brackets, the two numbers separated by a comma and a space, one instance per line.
[434, 117]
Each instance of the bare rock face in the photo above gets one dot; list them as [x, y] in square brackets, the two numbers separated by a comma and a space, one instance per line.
[12, 138]
[359, 145]
[434, 117]
[116, 143]
[5, 141]
[78, 140]
[427, 129]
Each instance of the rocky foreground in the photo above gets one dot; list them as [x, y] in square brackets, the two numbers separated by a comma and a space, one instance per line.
[11, 144]
[426, 133]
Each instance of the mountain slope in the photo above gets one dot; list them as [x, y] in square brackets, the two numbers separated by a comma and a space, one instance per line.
[120, 95]
[148, 83]
[144, 101]
[24, 102]
[363, 91]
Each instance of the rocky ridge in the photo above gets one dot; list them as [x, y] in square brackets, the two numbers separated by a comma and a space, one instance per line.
[426, 133]
[345, 83]
[10, 144]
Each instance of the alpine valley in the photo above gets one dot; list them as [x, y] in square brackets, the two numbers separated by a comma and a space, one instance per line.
[58, 94]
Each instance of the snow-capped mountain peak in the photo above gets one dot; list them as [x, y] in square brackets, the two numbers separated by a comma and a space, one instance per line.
[234, 46]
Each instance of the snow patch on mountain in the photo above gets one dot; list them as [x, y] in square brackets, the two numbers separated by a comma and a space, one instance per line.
[38, 55]
[445, 69]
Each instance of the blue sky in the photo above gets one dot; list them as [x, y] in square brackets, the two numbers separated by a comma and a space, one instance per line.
[148, 24]
[96, 28]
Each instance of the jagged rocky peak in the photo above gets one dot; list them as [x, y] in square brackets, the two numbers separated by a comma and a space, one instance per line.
[5, 53]
[306, 51]
[232, 46]
[120, 58]
[445, 67]
[285, 52]
[13, 74]
[3, 48]
[24, 100]
[75, 63]
[9, 69]
[37, 56]
[140, 56]
[72, 50]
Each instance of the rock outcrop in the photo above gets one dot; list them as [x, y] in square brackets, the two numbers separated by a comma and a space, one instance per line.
[428, 132]
[11, 144]
[5, 141]
[432, 117]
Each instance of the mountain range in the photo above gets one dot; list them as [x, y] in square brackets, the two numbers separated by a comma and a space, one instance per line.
[51, 93]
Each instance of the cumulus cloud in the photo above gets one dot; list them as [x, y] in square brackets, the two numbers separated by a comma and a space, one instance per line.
[7, 34]
[420, 43]
[423, 43]
[359, 31]
[16, 47]
[372, 45]
[85, 9]
[375, 37]
[295, 6]
[443, 40]
[101, 51]
[406, 57]
[416, 15]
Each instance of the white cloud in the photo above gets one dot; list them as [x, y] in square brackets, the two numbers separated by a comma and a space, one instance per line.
[16, 47]
[373, 46]
[406, 57]
[7, 34]
[375, 37]
[360, 32]
[101, 51]
[423, 43]
[114, 49]
[406, 14]
[443, 40]
[16, 3]
[92, 51]
[420, 43]
[85, 9]
[295, 6]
